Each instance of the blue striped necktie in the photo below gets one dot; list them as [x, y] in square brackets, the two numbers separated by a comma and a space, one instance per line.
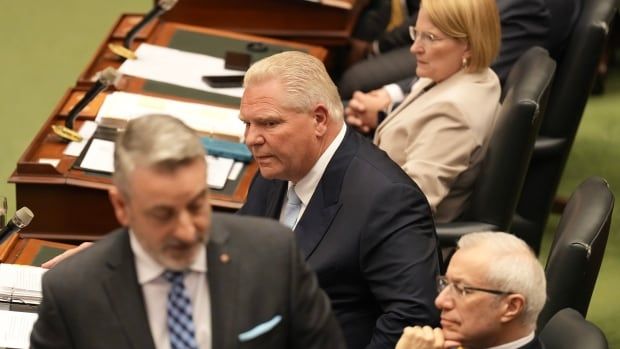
[180, 322]
[292, 208]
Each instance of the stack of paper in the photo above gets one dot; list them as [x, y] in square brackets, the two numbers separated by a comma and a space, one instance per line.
[20, 283]
[120, 107]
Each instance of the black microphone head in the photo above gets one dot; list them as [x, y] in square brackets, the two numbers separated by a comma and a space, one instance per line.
[167, 4]
[23, 217]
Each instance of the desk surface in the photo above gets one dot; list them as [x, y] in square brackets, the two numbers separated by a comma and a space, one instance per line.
[71, 204]
[18, 250]
[214, 42]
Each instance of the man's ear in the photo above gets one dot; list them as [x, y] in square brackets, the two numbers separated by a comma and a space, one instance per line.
[513, 306]
[120, 206]
[321, 119]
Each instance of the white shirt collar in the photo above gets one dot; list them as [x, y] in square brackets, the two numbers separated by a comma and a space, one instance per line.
[148, 269]
[517, 343]
[307, 185]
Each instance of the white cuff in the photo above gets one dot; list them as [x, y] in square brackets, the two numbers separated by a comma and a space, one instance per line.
[396, 94]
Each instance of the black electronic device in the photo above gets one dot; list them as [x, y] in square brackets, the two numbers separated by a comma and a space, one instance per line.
[237, 60]
[223, 81]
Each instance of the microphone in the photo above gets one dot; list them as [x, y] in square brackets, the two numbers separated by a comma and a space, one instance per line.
[22, 218]
[161, 7]
[108, 76]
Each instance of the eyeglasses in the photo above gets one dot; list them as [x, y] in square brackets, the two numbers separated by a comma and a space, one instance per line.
[425, 38]
[462, 290]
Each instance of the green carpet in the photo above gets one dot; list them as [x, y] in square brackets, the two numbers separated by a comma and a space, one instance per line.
[596, 146]
[46, 44]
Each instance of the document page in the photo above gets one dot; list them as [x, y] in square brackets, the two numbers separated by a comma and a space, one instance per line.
[218, 170]
[120, 107]
[177, 67]
[15, 328]
[20, 283]
[99, 156]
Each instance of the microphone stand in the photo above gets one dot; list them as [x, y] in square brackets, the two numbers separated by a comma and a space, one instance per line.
[159, 9]
[108, 76]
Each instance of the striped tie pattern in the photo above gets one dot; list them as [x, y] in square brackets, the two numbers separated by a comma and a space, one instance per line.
[292, 208]
[180, 323]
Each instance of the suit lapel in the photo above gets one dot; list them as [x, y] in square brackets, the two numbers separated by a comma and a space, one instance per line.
[325, 202]
[223, 275]
[275, 199]
[125, 295]
[418, 90]
[415, 92]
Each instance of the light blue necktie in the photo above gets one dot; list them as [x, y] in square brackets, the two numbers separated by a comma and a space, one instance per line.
[180, 323]
[292, 208]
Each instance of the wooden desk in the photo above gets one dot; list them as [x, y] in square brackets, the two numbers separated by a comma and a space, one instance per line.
[298, 20]
[175, 35]
[71, 204]
[18, 250]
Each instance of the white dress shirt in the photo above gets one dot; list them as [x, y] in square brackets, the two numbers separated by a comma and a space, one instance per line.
[517, 343]
[155, 291]
[307, 185]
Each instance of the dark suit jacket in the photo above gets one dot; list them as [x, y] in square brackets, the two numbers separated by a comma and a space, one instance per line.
[93, 299]
[368, 234]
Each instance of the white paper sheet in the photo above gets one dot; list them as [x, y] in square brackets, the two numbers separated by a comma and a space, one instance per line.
[120, 107]
[86, 131]
[15, 328]
[218, 170]
[236, 169]
[178, 68]
[100, 156]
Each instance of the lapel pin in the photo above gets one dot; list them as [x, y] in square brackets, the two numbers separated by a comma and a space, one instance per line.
[224, 258]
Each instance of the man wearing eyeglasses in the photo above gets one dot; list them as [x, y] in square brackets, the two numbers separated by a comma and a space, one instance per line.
[490, 297]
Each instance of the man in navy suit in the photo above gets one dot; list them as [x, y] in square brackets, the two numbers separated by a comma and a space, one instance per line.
[362, 224]
[491, 296]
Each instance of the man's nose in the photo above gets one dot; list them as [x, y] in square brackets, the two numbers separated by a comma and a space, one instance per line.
[186, 229]
[444, 299]
[252, 136]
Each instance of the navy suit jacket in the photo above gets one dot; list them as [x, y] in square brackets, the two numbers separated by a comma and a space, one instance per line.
[368, 234]
[93, 299]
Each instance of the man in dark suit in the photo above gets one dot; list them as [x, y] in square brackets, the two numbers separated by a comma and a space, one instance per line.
[361, 223]
[491, 296]
[178, 276]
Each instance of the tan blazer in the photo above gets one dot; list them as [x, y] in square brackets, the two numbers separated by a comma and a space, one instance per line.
[439, 136]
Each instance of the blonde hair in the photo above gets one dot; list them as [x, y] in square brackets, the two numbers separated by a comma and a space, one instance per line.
[473, 21]
[304, 79]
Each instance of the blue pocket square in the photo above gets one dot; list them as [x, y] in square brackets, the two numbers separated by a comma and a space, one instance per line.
[260, 329]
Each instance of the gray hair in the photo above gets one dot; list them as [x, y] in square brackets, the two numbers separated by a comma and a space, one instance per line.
[515, 268]
[304, 78]
[157, 141]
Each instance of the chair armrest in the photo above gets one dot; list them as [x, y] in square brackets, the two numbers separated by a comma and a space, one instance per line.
[450, 233]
